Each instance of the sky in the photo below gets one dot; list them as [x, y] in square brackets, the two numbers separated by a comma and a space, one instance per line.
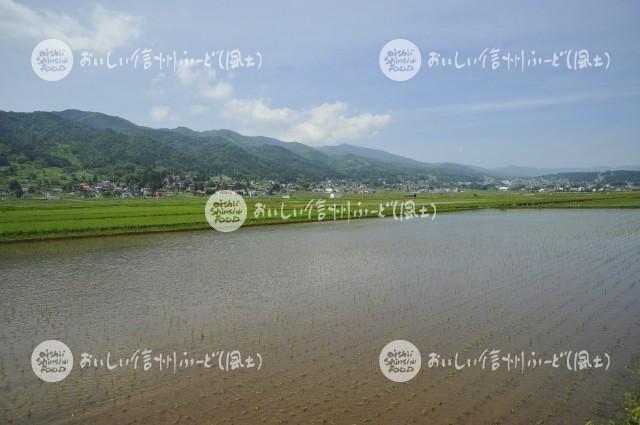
[319, 80]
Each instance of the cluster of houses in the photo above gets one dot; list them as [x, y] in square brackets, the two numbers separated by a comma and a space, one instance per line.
[88, 190]
[108, 188]
[542, 185]
[334, 189]
[337, 188]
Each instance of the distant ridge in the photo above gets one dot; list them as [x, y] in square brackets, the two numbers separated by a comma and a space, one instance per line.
[108, 145]
[101, 144]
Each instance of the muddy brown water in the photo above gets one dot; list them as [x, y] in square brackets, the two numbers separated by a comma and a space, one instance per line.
[318, 302]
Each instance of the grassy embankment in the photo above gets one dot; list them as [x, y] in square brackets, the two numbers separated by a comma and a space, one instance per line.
[33, 219]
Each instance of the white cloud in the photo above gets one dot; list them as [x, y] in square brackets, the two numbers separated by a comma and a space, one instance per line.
[102, 29]
[162, 113]
[218, 91]
[327, 123]
[258, 111]
[203, 82]
[187, 75]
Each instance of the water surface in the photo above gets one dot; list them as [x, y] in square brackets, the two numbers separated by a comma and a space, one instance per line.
[318, 302]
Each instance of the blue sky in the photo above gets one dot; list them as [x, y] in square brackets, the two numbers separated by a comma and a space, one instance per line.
[320, 82]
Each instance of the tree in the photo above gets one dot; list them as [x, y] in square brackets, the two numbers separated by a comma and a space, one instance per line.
[16, 188]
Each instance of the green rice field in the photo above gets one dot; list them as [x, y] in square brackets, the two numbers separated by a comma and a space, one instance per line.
[35, 219]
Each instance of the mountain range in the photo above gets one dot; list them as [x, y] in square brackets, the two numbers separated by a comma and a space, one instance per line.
[110, 146]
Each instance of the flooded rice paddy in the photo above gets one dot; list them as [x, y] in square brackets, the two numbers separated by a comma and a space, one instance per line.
[318, 302]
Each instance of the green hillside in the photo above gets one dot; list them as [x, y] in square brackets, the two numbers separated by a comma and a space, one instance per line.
[72, 144]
